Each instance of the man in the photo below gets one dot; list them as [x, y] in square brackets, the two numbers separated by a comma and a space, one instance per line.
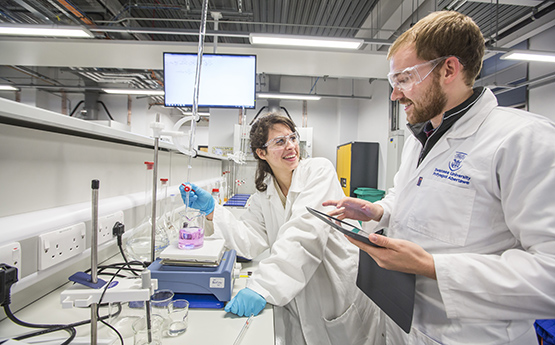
[471, 210]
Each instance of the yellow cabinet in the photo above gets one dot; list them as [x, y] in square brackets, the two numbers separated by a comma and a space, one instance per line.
[357, 166]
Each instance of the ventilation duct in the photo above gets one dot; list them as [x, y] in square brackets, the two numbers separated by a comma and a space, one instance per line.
[91, 105]
[274, 84]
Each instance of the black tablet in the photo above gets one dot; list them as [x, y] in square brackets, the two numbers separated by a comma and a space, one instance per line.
[346, 228]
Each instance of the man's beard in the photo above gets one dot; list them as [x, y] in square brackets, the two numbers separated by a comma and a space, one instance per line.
[430, 106]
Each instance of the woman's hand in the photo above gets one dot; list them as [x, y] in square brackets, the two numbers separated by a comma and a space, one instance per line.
[198, 198]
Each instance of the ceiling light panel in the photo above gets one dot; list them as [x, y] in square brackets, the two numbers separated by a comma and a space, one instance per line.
[289, 96]
[529, 55]
[45, 30]
[305, 41]
[134, 92]
[8, 88]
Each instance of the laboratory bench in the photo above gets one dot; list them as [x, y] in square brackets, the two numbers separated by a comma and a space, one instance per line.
[205, 326]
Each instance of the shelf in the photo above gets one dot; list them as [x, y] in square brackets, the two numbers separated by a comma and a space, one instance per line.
[23, 115]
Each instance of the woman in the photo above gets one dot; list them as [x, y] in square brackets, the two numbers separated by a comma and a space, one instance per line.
[310, 274]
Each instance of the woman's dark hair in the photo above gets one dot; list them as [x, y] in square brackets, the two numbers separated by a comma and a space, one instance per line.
[259, 137]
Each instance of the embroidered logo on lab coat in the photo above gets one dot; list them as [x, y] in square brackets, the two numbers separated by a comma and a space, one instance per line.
[454, 175]
[456, 164]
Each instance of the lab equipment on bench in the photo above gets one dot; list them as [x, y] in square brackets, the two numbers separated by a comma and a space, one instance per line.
[191, 237]
[243, 330]
[91, 291]
[203, 276]
[191, 233]
[138, 246]
[239, 200]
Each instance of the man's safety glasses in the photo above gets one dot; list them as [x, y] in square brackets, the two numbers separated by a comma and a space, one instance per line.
[281, 141]
[406, 79]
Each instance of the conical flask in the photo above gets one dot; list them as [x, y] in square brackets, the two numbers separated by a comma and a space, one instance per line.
[138, 245]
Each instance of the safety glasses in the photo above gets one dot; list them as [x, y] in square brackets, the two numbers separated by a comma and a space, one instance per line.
[281, 141]
[406, 79]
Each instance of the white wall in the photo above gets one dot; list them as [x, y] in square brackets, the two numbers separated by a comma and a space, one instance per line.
[373, 122]
[541, 98]
[320, 115]
[46, 185]
[348, 113]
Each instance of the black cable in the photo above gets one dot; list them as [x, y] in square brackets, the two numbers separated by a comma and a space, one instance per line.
[54, 328]
[123, 255]
[74, 109]
[256, 116]
[41, 332]
[290, 118]
[66, 328]
[70, 328]
[119, 306]
[118, 230]
[106, 110]
[48, 328]
[117, 266]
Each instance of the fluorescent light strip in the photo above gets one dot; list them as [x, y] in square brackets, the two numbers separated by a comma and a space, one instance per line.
[289, 96]
[529, 55]
[305, 41]
[8, 88]
[134, 92]
[199, 113]
[45, 30]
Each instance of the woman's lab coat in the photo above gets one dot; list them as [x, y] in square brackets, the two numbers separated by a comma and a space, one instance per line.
[311, 270]
[482, 204]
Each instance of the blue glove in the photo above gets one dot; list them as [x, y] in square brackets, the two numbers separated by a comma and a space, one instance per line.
[199, 199]
[245, 303]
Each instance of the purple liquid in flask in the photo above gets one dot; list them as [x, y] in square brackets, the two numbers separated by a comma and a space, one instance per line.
[191, 238]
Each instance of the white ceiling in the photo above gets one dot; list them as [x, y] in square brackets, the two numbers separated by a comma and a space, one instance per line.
[131, 36]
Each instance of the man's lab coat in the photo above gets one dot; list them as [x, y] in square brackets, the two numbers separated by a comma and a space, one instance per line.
[482, 203]
[311, 270]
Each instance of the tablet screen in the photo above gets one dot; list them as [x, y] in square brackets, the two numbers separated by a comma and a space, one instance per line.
[346, 228]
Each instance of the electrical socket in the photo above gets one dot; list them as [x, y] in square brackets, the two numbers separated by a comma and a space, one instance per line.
[60, 245]
[106, 224]
[10, 254]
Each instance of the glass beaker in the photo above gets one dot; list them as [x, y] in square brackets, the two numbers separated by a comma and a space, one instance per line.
[148, 333]
[191, 234]
[178, 317]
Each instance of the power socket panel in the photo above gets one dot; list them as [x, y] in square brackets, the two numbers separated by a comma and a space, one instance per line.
[106, 225]
[60, 245]
[10, 254]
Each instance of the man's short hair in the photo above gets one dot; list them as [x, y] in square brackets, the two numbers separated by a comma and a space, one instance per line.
[446, 33]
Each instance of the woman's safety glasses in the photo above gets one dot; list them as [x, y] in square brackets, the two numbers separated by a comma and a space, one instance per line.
[406, 79]
[281, 141]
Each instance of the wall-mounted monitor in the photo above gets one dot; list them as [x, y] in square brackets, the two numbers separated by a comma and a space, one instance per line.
[226, 81]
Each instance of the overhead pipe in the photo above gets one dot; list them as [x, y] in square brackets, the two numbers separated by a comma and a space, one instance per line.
[216, 16]
[38, 12]
[190, 32]
[75, 12]
[527, 21]
[34, 74]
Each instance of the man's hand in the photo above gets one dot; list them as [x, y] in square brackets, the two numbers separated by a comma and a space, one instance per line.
[399, 255]
[354, 208]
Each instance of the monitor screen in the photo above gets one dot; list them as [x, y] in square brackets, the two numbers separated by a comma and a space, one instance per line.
[227, 81]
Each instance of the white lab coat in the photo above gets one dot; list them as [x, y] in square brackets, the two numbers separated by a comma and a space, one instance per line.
[311, 270]
[482, 203]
